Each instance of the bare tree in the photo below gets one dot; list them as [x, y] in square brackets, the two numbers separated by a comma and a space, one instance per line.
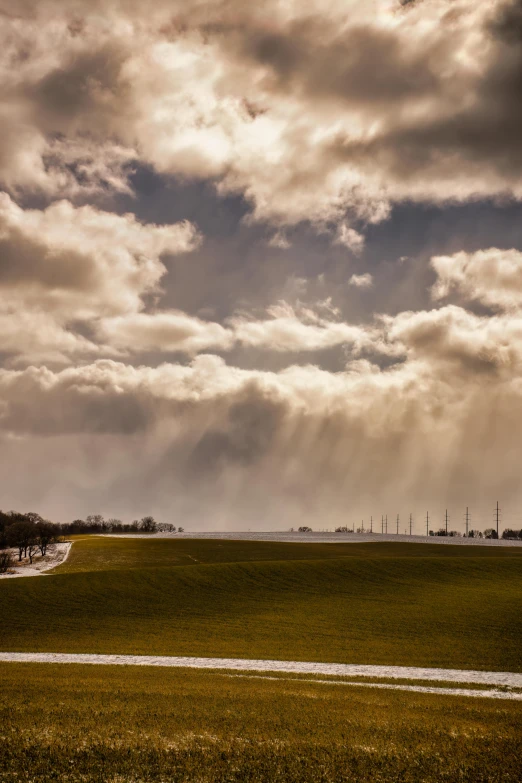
[490, 533]
[5, 562]
[32, 548]
[19, 535]
[46, 535]
[148, 525]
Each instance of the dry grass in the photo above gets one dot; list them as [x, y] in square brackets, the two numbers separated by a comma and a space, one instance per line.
[93, 724]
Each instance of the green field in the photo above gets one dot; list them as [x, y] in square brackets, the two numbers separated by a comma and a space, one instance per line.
[98, 724]
[376, 603]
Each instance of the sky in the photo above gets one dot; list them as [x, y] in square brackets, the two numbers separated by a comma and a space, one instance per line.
[261, 264]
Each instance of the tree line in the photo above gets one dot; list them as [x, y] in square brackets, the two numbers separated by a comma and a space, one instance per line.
[30, 535]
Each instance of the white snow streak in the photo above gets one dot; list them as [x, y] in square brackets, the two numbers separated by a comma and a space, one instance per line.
[491, 694]
[505, 679]
[325, 537]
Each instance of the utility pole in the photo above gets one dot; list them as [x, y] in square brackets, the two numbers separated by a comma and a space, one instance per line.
[497, 516]
[446, 517]
[386, 525]
[397, 524]
[382, 524]
[371, 524]
[411, 520]
[427, 523]
[467, 521]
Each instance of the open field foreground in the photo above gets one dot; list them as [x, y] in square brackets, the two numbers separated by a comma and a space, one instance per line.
[378, 603]
[296, 645]
[97, 723]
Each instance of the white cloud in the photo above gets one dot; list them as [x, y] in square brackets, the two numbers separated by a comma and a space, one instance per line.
[361, 281]
[492, 277]
[280, 241]
[350, 238]
[292, 113]
[464, 342]
[164, 332]
[288, 329]
[66, 264]
[217, 444]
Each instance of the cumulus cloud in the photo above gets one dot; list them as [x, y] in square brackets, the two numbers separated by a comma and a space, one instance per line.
[283, 105]
[304, 330]
[164, 331]
[492, 277]
[37, 337]
[67, 264]
[350, 238]
[215, 445]
[84, 261]
[284, 329]
[361, 281]
[462, 341]
[280, 241]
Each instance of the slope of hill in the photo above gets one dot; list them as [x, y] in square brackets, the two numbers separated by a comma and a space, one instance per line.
[397, 604]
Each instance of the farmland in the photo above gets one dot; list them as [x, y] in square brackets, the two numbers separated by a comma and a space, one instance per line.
[81, 723]
[395, 604]
[391, 604]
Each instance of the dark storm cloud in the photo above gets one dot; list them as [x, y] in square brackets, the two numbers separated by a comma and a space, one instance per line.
[245, 436]
[83, 94]
[362, 65]
[70, 408]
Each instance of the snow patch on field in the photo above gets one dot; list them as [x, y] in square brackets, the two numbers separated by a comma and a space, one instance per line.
[476, 692]
[326, 537]
[56, 555]
[505, 679]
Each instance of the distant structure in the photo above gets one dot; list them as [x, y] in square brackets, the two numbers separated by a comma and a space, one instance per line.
[442, 530]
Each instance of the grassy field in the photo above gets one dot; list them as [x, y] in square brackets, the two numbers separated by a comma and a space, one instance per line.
[377, 603]
[99, 724]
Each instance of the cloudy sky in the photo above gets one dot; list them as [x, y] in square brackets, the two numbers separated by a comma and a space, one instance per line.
[261, 264]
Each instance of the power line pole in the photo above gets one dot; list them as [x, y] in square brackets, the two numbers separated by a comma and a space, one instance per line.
[467, 521]
[397, 524]
[386, 524]
[382, 524]
[446, 518]
[410, 523]
[371, 524]
[427, 523]
[497, 516]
